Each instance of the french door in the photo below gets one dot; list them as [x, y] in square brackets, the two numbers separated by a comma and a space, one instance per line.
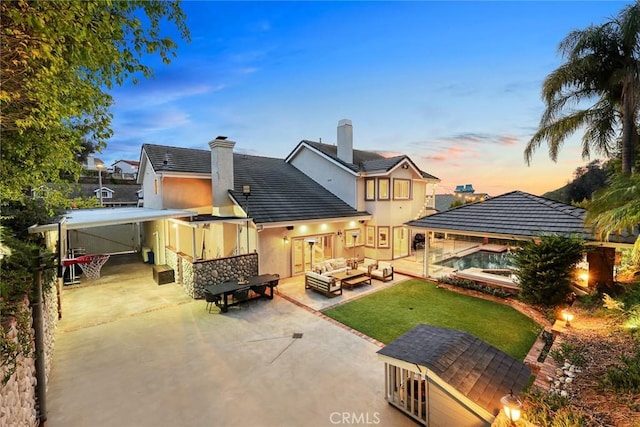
[304, 253]
[400, 242]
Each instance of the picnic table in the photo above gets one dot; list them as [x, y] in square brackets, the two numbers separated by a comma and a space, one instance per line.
[258, 285]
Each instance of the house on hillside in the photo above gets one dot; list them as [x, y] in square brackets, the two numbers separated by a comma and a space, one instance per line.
[462, 194]
[125, 169]
[319, 203]
[113, 195]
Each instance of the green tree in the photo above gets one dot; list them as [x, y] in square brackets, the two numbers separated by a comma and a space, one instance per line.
[59, 59]
[616, 209]
[602, 65]
[545, 268]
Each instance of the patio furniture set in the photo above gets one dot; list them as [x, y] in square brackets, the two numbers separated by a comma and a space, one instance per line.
[236, 291]
[329, 277]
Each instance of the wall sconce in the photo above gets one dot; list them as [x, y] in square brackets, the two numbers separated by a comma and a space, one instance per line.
[512, 407]
[568, 317]
[285, 240]
[405, 166]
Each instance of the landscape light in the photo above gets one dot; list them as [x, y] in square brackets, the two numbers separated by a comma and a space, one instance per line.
[512, 407]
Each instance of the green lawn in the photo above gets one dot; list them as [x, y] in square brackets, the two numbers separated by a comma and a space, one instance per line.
[387, 314]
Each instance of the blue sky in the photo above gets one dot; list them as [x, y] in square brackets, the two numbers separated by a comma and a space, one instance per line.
[455, 85]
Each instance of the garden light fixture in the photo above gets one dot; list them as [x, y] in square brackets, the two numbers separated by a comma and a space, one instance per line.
[512, 407]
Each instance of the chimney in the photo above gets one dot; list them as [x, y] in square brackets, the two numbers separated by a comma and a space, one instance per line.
[345, 141]
[221, 170]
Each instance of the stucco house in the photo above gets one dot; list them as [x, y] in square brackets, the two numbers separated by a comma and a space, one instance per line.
[350, 203]
[125, 168]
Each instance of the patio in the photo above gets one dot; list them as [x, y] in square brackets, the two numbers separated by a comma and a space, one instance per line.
[130, 352]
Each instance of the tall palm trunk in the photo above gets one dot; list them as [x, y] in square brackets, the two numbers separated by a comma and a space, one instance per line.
[629, 135]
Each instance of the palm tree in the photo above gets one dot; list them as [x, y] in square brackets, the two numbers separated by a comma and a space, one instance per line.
[602, 68]
[616, 209]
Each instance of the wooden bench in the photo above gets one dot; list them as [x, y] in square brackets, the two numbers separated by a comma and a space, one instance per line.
[163, 274]
[324, 284]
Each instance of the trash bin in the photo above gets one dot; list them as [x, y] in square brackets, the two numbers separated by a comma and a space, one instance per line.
[151, 257]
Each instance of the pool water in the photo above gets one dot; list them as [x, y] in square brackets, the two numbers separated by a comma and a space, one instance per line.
[480, 259]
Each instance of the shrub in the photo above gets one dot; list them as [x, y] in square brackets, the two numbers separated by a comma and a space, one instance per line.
[625, 378]
[545, 268]
[568, 352]
[470, 284]
[550, 410]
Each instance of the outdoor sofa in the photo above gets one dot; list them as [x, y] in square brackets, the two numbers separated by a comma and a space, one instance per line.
[326, 285]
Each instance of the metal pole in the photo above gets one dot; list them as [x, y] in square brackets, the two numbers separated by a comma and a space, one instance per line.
[100, 184]
[38, 327]
[247, 210]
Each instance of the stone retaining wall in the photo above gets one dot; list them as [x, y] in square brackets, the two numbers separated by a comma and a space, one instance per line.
[194, 276]
[18, 406]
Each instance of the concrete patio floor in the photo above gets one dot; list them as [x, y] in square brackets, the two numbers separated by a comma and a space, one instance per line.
[129, 352]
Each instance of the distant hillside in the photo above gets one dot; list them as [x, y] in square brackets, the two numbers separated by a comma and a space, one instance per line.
[586, 180]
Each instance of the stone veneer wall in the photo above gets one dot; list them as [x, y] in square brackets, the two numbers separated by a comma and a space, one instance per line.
[18, 406]
[197, 275]
[214, 272]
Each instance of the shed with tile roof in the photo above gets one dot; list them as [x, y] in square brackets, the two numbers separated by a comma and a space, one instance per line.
[447, 377]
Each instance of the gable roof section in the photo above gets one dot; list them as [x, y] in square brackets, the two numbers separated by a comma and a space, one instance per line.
[282, 193]
[177, 159]
[363, 161]
[514, 215]
[475, 368]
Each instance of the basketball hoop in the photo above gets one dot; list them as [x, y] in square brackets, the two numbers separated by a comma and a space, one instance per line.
[90, 264]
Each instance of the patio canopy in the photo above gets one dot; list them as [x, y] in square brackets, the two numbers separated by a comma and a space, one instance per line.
[87, 218]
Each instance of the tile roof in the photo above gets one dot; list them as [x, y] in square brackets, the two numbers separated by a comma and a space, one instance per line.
[187, 160]
[364, 161]
[475, 368]
[122, 193]
[279, 191]
[516, 214]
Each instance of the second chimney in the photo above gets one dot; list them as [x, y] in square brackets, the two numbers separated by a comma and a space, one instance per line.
[345, 141]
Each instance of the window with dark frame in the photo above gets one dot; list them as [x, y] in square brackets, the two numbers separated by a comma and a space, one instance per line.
[370, 189]
[401, 189]
[383, 189]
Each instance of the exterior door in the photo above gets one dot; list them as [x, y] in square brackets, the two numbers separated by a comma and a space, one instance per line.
[302, 251]
[400, 242]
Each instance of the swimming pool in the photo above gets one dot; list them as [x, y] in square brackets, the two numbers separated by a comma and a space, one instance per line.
[480, 259]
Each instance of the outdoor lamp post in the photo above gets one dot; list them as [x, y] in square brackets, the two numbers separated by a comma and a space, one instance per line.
[311, 242]
[512, 407]
[100, 166]
[568, 317]
[355, 236]
[246, 192]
